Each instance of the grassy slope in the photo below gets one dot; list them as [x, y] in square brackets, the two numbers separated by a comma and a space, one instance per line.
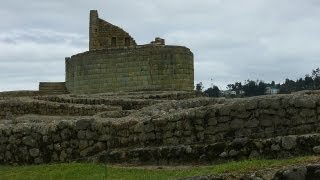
[94, 171]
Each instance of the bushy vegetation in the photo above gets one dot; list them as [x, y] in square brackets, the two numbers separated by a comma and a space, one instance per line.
[258, 87]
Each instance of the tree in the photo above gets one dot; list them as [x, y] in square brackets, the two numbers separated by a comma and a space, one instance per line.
[250, 88]
[231, 86]
[273, 84]
[261, 89]
[237, 86]
[316, 78]
[288, 86]
[308, 82]
[256, 88]
[199, 87]
[213, 91]
[315, 73]
[300, 85]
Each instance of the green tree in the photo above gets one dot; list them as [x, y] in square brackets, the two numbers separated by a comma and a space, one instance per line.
[288, 86]
[230, 86]
[237, 86]
[213, 91]
[199, 87]
[300, 85]
[273, 84]
[316, 78]
[308, 82]
[261, 89]
[250, 88]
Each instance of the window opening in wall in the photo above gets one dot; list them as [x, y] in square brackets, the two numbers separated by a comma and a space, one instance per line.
[127, 41]
[113, 41]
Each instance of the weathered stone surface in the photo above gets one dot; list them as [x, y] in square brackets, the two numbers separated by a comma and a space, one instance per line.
[212, 121]
[29, 141]
[275, 147]
[316, 149]
[299, 173]
[108, 74]
[233, 153]
[161, 122]
[252, 123]
[237, 124]
[83, 124]
[289, 142]
[34, 152]
[305, 102]
[105, 35]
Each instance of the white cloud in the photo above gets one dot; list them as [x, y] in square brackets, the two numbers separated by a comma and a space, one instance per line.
[33, 55]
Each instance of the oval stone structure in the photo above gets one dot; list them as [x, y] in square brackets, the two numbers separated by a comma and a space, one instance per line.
[130, 69]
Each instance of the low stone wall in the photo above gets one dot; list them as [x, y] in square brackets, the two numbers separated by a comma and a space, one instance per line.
[46, 88]
[197, 122]
[9, 94]
[237, 149]
[14, 108]
[128, 101]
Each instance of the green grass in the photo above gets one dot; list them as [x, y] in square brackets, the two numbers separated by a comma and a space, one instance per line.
[96, 171]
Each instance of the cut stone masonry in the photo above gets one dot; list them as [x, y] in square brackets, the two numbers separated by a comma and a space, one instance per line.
[168, 128]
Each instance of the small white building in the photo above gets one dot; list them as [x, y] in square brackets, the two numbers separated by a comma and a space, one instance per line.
[270, 90]
[228, 92]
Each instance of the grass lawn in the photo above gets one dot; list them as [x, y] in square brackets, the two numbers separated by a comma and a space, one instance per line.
[97, 171]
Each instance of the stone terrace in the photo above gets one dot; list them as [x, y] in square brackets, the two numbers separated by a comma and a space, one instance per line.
[156, 127]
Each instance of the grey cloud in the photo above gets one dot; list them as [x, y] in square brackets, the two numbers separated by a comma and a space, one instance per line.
[232, 40]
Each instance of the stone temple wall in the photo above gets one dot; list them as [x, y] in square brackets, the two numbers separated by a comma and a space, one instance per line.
[130, 69]
[192, 130]
[103, 35]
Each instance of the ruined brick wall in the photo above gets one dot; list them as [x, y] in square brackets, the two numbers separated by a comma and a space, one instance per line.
[130, 69]
[104, 35]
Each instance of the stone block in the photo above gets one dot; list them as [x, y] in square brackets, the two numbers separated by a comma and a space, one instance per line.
[237, 124]
[34, 152]
[289, 142]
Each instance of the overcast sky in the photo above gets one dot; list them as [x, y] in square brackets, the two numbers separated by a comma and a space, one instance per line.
[232, 40]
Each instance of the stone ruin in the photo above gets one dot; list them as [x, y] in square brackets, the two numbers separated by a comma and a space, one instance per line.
[103, 35]
[115, 62]
[157, 127]
[148, 127]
